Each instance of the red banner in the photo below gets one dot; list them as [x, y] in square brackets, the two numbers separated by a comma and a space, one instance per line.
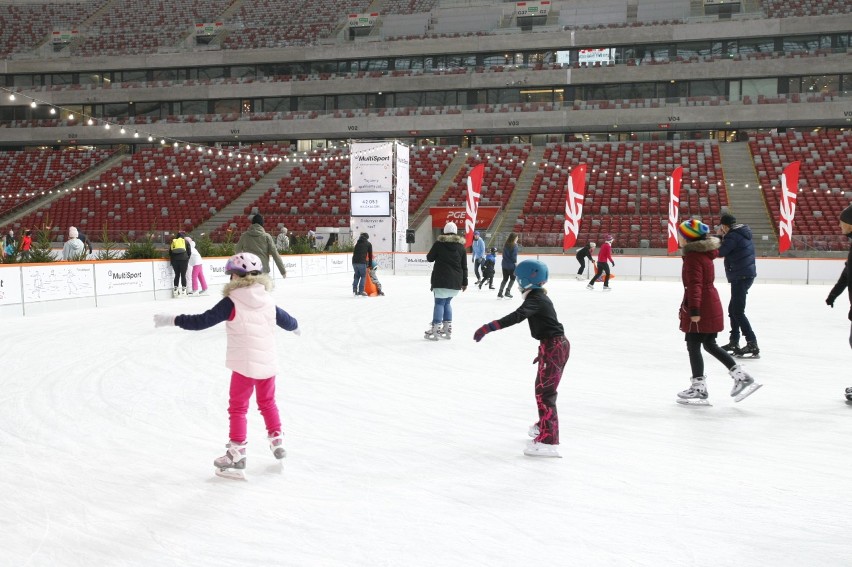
[789, 192]
[674, 207]
[574, 206]
[441, 215]
[474, 187]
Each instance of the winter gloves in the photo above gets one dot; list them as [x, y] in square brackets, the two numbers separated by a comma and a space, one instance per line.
[164, 320]
[830, 300]
[485, 329]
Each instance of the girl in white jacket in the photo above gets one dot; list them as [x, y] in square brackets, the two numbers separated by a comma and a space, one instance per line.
[196, 269]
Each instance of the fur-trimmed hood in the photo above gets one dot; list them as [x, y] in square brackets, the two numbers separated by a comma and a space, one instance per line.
[451, 238]
[705, 245]
[247, 281]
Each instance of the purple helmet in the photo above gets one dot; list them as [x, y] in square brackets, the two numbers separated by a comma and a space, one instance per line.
[244, 263]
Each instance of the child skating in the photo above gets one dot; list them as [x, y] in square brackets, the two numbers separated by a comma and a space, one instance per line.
[553, 352]
[701, 316]
[488, 269]
[250, 317]
[372, 273]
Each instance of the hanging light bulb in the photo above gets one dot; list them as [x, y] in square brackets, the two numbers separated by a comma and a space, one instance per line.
[71, 117]
[90, 122]
[33, 104]
[12, 96]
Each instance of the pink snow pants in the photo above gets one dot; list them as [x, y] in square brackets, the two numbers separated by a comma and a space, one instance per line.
[552, 356]
[238, 403]
[198, 277]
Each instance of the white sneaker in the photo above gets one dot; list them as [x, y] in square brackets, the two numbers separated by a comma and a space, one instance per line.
[541, 450]
[276, 445]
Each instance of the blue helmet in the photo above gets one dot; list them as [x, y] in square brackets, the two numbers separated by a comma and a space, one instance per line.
[531, 274]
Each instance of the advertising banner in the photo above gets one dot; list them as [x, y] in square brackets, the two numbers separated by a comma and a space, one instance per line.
[442, 215]
[62, 280]
[474, 192]
[403, 156]
[674, 207]
[574, 206]
[10, 285]
[124, 277]
[789, 192]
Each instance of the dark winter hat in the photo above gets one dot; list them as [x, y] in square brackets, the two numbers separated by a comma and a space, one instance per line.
[728, 219]
[846, 215]
[693, 229]
[257, 219]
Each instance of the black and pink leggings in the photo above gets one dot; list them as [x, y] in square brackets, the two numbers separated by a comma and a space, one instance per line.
[553, 354]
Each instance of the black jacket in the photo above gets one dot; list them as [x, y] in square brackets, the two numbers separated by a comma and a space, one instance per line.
[363, 251]
[844, 281]
[450, 257]
[539, 311]
[738, 251]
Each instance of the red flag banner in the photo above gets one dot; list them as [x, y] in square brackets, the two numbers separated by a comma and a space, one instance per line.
[574, 206]
[474, 188]
[674, 207]
[789, 192]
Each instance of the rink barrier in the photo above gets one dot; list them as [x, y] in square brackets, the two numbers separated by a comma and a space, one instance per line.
[28, 289]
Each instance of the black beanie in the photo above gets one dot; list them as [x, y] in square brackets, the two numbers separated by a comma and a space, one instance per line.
[257, 219]
[846, 215]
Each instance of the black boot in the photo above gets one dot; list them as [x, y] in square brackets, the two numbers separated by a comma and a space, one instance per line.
[500, 293]
[732, 346]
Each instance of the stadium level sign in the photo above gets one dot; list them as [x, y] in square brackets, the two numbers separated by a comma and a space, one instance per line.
[532, 8]
[365, 20]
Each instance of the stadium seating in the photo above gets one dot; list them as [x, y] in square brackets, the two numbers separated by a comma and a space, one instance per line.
[157, 189]
[825, 182]
[503, 166]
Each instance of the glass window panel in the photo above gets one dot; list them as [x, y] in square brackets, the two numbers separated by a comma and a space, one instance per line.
[61, 78]
[846, 84]
[493, 59]
[821, 83]
[536, 95]
[228, 106]
[707, 88]
[794, 85]
[756, 45]
[277, 104]
[207, 73]
[242, 71]
[154, 109]
[165, 74]
[193, 107]
[120, 110]
[311, 103]
[25, 81]
[504, 96]
[134, 76]
[401, 63]
[378, 64]
[352, 101]
[801, 43]
[694, 49]
[757, 87]
[439, 98]
[404, 100]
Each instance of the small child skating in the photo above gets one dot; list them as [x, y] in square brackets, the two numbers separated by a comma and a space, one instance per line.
[374, 277]
[701, 316]
[604, 260]
[553, 352]
[488, 269]
[250, 317]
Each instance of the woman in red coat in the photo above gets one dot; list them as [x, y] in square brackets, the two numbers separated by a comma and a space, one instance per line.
[701, 315]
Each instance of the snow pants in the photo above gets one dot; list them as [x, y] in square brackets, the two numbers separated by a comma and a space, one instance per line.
[238, 403]
[552, 356]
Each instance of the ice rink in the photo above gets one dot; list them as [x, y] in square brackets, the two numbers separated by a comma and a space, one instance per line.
[405, 452]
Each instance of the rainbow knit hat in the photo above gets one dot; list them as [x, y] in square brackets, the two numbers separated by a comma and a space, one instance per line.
[693, 229]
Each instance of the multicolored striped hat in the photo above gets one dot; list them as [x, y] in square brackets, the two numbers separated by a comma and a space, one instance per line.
[693, 229]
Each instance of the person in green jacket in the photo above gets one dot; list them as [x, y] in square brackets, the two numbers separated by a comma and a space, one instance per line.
[259, 242]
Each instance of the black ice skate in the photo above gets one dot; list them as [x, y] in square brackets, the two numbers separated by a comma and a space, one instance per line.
[732, 346]
[749, 351]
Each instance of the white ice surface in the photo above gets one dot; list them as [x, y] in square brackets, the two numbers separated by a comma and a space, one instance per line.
[405, 452]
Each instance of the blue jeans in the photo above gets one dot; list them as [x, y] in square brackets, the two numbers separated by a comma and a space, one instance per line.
[442, 311]
[360, 278]
[736, 310]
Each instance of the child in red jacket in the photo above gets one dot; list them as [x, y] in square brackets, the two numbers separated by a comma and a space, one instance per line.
[701, 315]
[604, 260]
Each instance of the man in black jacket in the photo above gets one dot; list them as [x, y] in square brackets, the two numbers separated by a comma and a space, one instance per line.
[845, 280]
[362, 256]
[738, 251]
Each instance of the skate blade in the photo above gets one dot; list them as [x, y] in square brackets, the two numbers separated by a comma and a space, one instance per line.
[542, 455]
[747, 392]
[232, 474]
[747, 356]
[693, 402]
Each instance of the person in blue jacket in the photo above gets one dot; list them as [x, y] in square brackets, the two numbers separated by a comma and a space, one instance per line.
[478, 249]
[740, 269]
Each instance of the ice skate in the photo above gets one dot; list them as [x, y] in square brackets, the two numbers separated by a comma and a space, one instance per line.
[732, 346]
[202, 292]
[580, 277]
[183, 291]
[607, 288]
[276, 444]
[849, 395]
[508, 295]
[233, 463]
[446, 330]
[744, 384]
[696, 394]
[175, 292]
[431, 333]
[535, 449]
[590, 287]
[749, 351]
[533, 431]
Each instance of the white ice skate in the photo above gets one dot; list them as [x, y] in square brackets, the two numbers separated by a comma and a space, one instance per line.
[431, 333]
[233, 463]
[696, 394]
[607, 288]
[744, 384]
[276, 445]
[533, 431]
[534, 449]
[446, 330]
[849, 395]
[175, 292]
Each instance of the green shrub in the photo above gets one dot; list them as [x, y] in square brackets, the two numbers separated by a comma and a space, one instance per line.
[41, 252]
[109, 249]
[142, 249]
